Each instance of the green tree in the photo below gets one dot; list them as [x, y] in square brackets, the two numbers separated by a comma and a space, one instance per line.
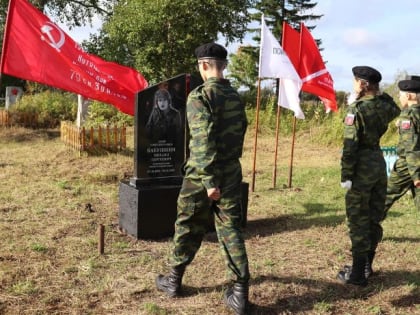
[275, 12]
[392, 89]
[158, 37]
[242, 70]
[71, 12]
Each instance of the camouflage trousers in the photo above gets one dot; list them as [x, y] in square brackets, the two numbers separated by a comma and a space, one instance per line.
[399, 182]
[194, 214]
[365, 203]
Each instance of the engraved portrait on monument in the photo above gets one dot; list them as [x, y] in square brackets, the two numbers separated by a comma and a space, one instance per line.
[164, 121]
[161, 129]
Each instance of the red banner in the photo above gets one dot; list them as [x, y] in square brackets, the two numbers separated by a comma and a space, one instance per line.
[291, 44]
[305, 56]
[36, 49]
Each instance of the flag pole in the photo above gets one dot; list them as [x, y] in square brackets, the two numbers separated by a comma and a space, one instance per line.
[277, 122]
[257, 114]
[276, 146]
[10, 12]
[294, 118]
[291, 154]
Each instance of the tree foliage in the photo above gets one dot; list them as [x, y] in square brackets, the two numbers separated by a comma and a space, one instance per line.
[71, 12]
[75, 12]
[159, 37]
[275, 12]
[242, 69]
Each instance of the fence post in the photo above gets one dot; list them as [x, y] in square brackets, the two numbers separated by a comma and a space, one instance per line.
[2, 117]
[62, 131]
[115, 138]
[99, 137]
[82, 138]
[123, 138]
[75, 138]
[101, 239]
[91, 142]
[107, 136]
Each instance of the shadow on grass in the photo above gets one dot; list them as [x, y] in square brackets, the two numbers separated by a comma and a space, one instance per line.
[408, 300]
[106, 151]
[270, 226]
[324, 292]
[328, 293]
[402, 239]
[27, 135]
[394, 214]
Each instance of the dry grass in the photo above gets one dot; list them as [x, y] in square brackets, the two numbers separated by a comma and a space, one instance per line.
[296, 238]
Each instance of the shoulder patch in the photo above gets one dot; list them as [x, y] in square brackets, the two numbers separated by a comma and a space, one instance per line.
[349, 120]
[405, 124]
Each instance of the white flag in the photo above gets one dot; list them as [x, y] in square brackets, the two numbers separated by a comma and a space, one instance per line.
[274, 63]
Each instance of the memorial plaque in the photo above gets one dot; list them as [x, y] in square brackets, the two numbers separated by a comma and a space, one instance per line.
[160, 147]
[148, 200]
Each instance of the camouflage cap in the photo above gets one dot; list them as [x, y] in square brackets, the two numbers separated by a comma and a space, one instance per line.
[412, 86]
[367, 73]
[212, 51]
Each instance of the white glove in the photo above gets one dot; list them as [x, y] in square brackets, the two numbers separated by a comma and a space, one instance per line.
[347, 184]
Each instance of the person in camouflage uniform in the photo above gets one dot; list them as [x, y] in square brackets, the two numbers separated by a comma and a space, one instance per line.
[212, 181]
[363, 170]
[406, 171]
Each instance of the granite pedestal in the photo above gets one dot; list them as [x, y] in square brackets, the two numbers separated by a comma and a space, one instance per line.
[150, 212]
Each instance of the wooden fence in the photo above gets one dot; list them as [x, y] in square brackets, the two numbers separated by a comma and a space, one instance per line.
[93, 139]
[8, 119]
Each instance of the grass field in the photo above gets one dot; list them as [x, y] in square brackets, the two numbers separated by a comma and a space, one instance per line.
[52, 202]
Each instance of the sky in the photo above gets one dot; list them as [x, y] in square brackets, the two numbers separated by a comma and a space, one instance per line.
[381, 34]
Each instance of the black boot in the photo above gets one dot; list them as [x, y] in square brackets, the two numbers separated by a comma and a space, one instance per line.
[355, 274]
[171, 284]
[236, 297]
[368, 266]
[369, 262]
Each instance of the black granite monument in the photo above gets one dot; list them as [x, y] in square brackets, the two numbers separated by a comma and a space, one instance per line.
[148, 200]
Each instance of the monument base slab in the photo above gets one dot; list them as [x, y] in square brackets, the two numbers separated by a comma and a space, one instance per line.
[149, 212]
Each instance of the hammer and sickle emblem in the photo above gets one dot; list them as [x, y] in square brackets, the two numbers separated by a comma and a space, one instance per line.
[46, 29]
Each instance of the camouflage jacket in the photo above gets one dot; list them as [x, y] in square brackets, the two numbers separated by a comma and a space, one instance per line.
[217, 124]
[366, 121]
[409, 142]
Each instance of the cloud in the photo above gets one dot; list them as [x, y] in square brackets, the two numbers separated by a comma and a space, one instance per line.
[356, 37]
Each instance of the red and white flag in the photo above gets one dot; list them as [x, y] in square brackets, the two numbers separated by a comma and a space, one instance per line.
[305, 56]
[36, 49]
[274, 63]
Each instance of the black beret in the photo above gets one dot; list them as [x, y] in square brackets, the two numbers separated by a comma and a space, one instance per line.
[413, 77]
[212, 51]
[412, 86]
[367, 73]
